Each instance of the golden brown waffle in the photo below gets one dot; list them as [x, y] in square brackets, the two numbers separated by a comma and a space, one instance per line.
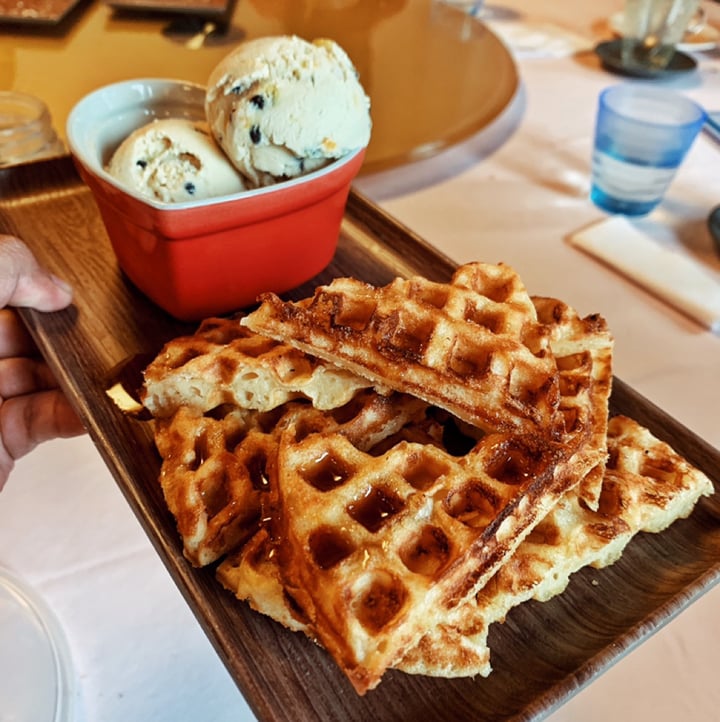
[213, 473]
[665, 486]
[215, 465]
[223, 362]
[251, 573]
[583, 349]
[473, 346]
[647, 486]
[411, 515]
[373, 549]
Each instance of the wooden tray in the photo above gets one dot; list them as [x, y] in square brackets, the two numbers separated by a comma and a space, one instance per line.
[543, 653]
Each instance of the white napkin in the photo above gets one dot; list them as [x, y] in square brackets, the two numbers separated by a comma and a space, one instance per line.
[538, 39]
[669, 273]
[526, 39]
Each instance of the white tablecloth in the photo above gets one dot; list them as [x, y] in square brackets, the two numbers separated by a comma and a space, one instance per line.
[514, 193]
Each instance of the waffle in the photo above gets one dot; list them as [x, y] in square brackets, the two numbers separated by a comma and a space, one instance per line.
[215, 464]
[252, 574]
[473, 346]
[389, 470]
[373, 549]
[223, 362]
[213, 473]
[583, 349]
[646, 487]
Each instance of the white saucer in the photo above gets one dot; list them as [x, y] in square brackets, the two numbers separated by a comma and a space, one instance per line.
[36, 678]
[706, 38]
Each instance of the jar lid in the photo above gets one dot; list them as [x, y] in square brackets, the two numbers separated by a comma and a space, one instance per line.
[36, 675]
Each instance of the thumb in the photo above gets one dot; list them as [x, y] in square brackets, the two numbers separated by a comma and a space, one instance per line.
[23, 282]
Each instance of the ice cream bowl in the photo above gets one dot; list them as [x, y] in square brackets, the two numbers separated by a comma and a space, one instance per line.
[204, 257]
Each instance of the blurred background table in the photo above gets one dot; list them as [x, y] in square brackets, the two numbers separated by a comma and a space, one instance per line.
[513, 190]
[423, 64]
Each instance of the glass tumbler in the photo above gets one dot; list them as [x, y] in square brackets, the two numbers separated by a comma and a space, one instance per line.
[642, 135]
[26, 131]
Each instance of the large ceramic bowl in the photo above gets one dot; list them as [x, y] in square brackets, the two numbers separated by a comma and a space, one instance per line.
[204, 257]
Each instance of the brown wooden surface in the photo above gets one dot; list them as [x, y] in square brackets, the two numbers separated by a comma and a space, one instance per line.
[541, 655]
[197, 8]
[434, 75]
[40, 12]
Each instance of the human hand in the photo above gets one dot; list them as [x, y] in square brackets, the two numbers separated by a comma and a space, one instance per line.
[32, 407]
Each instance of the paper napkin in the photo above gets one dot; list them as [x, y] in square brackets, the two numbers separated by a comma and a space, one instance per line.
[538, 39]
[669, 273]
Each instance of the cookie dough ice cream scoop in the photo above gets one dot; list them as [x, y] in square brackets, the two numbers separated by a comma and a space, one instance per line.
[174, 160]
[282, 106]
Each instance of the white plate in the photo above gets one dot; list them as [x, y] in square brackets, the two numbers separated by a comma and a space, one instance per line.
[706, 38]
[36, 675]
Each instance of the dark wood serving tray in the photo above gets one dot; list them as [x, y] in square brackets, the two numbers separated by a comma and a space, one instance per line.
[542, 655]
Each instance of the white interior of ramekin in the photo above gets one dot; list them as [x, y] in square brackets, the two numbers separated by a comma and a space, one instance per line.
[101, 120]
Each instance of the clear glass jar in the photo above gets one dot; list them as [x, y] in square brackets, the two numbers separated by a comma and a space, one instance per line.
[26, 131]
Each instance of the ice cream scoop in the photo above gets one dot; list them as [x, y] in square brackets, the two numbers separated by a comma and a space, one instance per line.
[174, 160]
[282, 106]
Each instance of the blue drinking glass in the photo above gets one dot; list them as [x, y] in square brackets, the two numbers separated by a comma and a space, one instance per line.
[642, 134]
